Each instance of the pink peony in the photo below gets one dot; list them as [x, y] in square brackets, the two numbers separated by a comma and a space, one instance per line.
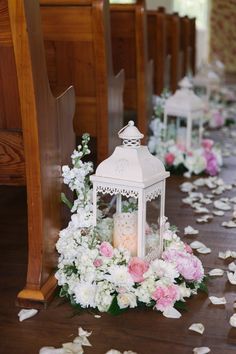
[188, 265]
[97, 262]
[106, 249]
[137, 267]
[169, 158]
[187, 248]
[207, 144]
[166, 296]
[211, 161]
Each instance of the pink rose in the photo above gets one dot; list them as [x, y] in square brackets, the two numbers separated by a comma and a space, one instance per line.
[137, 267]
[181, 147]
[97, 262]
[207, 144]
[165, 296]
[212, 165]
[106, 249]
[169, 158]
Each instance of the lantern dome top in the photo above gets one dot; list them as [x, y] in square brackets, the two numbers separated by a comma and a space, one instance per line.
[206, 76]
[130, 135]
[131, 162]
[185, 83]
[184, 99]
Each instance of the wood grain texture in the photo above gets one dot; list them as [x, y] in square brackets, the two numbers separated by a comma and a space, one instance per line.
[78, 50]
[173, 50]
[48, 141]
[193, 39]
[185, 45]
[130, 51]
[157, 47]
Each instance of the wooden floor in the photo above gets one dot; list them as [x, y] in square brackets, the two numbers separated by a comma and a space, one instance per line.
[145, 332]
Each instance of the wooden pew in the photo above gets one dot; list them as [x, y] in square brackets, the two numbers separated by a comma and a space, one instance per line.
[185, 45]
[78, 52]
[173, 50]
[157, 47]
[48, 140]
[192, 45]
[129, 49]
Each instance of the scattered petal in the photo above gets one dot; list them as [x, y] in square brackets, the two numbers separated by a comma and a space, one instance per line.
[189, 230]
[217, 300]
[229, 224]
[218, 212]
[97, 316]
[232, 267]
[196, 244]
[232, 320]
[51, 350]
[197, 327]
[201, 350]
[26, 313]
[218, 204]
[201, 210]
[84, 333]
[199, 182]
[72, 348]
[224, 255]
[232, 277]
[216, 272]
[172, 313]
[113, 351]
[204, 250]
[204, 219]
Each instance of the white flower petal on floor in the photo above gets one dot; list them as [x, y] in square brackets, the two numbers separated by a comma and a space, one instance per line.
[229, 224]
[97, 316]
[232, 277]
[196, 244]
[218, 204]
[113, 351]
[51, 350]
[197, 327]
[172, 313]
[201, 350]
[217, 300]
[201, 210]
[204, 219]
[189, 230]
[224, 255]
[232, 320]
[218, 212]
[204, 250]
[216, 272]
[187, 187]
[26, 313]
[232, 267]
[72, 348]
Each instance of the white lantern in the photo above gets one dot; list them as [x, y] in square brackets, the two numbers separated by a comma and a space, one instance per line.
[208, 80]
[131, 171]
[185, 104]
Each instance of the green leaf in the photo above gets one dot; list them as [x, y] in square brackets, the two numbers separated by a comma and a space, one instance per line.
[203, 287]
[114, 308]
[64, 290]
[66, 201]
[180, 305]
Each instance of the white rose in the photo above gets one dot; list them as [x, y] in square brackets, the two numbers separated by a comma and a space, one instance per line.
[126, 300]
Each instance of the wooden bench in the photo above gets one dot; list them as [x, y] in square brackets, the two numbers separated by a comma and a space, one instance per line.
[185, 45]
[48, 140]
[129, 49]
[192, 44]
[173, 50]
[78, 52]
[157, 47]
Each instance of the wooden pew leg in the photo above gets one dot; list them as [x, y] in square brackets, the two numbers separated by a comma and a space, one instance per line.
[31, 298]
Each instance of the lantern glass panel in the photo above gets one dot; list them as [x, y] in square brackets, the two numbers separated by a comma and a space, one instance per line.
[152, 230]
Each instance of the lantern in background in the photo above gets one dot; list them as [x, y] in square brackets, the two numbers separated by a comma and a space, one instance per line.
[131, 171]
[185, 104]
[206, 81]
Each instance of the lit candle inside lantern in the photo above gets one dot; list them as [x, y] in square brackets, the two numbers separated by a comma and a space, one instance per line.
[125, 231]
[181, 136]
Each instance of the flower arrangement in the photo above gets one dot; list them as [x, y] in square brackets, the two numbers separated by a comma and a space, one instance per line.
[94, 274]
[204, 159]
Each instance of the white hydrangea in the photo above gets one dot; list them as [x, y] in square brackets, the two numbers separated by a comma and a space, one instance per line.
[162, 269]
[146, 289]
[104, 295]
[120, 276]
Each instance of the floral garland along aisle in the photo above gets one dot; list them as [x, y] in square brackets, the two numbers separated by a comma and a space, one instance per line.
[94, 274]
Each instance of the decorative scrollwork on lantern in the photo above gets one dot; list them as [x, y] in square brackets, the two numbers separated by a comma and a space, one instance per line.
[113, 190]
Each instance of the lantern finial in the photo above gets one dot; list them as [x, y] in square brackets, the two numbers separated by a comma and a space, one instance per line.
[130, 135]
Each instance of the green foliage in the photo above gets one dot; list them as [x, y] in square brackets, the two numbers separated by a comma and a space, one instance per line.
[180, 305]
[114, 308]
[66, 201]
